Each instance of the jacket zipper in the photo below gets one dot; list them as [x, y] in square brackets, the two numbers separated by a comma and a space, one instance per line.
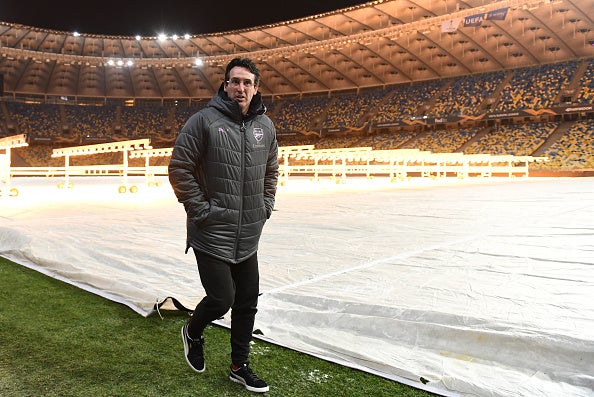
[242, 130]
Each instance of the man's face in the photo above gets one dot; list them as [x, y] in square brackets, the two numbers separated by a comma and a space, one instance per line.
[241, 87]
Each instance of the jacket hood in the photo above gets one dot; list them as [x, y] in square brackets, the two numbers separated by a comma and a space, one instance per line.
[229, 107]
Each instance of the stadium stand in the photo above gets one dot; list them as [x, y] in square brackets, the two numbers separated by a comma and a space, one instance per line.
[513, 86]
[354, 116]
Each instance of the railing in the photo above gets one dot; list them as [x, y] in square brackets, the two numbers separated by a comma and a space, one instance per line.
[105, 169]
[398, 164]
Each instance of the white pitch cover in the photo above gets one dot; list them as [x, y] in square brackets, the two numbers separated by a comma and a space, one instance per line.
[482, 287]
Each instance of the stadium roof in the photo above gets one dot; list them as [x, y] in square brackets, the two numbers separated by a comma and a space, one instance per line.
[151, 17]
[375, 44]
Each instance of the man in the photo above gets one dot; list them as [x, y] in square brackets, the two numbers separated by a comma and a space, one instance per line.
[224, 170]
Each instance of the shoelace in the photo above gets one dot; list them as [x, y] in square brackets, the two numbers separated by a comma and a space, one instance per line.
[196, 346]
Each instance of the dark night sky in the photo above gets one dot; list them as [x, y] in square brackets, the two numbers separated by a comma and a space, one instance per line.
[149, 18]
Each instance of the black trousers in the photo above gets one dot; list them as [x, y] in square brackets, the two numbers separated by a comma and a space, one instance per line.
[228, 286]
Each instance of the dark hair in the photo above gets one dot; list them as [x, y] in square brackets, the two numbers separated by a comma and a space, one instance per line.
[244, 63]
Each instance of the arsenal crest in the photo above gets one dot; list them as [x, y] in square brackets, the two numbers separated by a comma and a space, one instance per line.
[258, 134]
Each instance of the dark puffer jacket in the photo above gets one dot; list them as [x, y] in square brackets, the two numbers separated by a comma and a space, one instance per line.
[224, 170]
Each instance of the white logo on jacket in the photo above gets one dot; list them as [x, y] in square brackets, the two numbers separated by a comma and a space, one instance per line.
[258, 134]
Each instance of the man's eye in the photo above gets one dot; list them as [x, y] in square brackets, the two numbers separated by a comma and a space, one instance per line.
[237, 82]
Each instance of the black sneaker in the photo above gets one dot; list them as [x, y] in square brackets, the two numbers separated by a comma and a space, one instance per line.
[250, 380]
[193, 350]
